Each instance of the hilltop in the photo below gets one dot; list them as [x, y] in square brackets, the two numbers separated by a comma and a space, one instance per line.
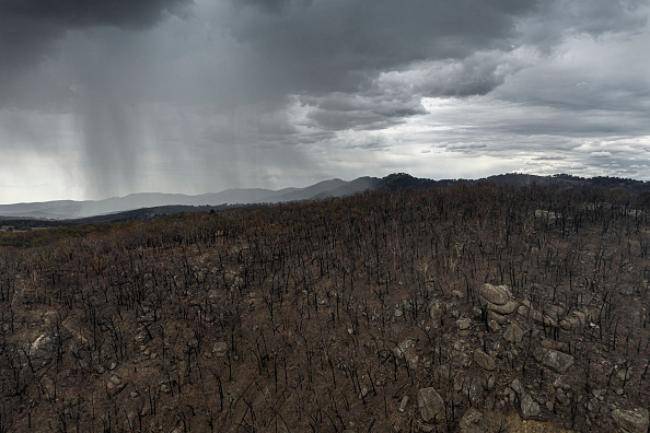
[152, 204]
[472, 307]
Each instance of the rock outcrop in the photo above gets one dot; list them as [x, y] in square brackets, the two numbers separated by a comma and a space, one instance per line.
[485, 361]
[430, 405]
[406, 351]
[555, 360]
[494, 295]
[471, 422]
[632, 420]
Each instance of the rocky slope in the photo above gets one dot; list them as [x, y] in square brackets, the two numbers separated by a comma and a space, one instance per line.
[471, 309]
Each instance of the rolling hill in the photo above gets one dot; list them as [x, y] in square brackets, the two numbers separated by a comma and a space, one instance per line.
[163, 203]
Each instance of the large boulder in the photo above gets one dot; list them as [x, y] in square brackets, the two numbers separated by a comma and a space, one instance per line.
[529, 312]
[435, 313]
[514, 333]
[431, 405]
[472, 422]
[631, 421]
[547, 215]
[498, 318]
[517, 386]
[574, 320]
[406, 350]
[464, 324]
[115, 385]
[555, 360]
[530, 409]
[44, 343]
[497, 295]
[43, 349]
[220, 349]
[485, 361]
[505, 309]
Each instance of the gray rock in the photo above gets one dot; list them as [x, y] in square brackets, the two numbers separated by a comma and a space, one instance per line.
[562, 397]
[631, 421]
[403, 403]
[538, 316]
[364, 392]
[529, 407]
[406, 351]
[556, 361]
[431, 405]
[141, 337]
[43, 349]
[491, 382]
[498, 295]
[485, 361]
[623, 374]
[505, 309]
[49, 386]
[628, 291]
[471, 422]
[517, 386]
[464, 324]
[220, 349]
[514, 333]
[556, 345]
[562, 382]
[435, 313]
[554, 311]
[547, 216]
[574, 320]
[115, 385]
[599, 394]
[499, 318]
[474, 390]
[494, 326]
[115, 379]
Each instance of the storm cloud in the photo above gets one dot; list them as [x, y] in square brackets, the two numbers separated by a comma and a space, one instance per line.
[115, 96]
[27, 27]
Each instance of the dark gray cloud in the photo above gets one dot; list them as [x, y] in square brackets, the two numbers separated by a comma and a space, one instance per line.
[558, 18]
[29, 27]
[205, 94]
[29, 33]
[269, 5]
[335, 45]
[74, 13]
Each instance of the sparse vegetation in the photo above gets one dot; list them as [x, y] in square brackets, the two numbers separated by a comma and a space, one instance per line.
[465, 307]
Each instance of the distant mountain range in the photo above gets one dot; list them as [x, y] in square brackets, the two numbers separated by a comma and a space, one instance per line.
[161, 203]
[69, 209]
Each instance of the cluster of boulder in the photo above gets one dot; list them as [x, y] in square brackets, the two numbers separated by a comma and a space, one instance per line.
[498, 303]
[514, 327]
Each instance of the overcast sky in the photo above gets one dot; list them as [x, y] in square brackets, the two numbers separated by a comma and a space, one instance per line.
[108, 97]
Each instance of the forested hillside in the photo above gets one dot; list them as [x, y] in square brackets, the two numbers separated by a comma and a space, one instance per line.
[452, 308]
